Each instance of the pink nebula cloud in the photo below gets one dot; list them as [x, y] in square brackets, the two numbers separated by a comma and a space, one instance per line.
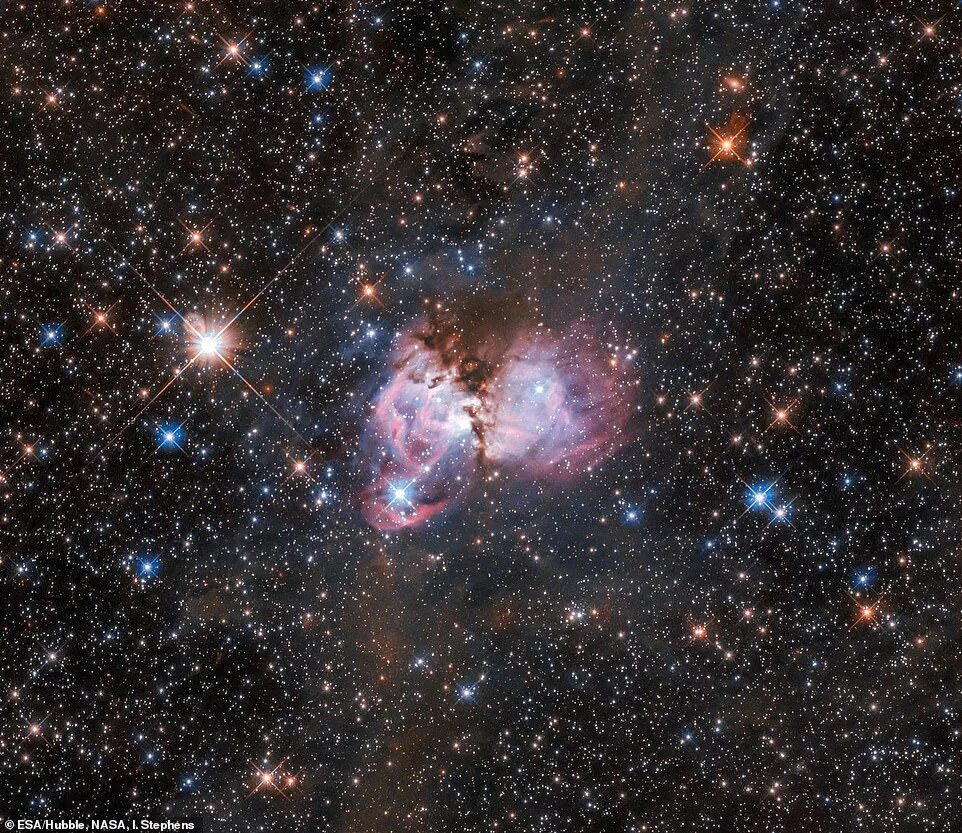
[546, 407]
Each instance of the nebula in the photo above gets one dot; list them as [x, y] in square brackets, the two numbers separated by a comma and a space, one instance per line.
[555, 408]
[422, 436]
[535, 404]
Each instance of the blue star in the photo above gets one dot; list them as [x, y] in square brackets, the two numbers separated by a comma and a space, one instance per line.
[317, 78]
[759, 497]
[148, 566]
[169, 437]
[864, 577]
[256, 67]
[51, 335]
[400, 493]
[165, 324]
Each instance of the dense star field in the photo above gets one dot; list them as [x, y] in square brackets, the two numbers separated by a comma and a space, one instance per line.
[482, 416]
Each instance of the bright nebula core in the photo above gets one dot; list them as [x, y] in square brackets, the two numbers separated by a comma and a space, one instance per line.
[529, 403]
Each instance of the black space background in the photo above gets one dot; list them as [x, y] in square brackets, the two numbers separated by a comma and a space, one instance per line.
[530, 661]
